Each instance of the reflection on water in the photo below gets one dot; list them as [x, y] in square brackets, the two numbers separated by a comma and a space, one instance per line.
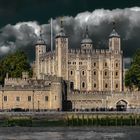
[108, 133]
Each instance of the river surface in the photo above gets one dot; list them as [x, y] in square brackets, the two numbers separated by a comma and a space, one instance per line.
[81, 133]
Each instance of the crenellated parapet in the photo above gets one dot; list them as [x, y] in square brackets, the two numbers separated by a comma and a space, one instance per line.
[47, 55]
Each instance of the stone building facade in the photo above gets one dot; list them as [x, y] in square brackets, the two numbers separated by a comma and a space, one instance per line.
[32, 94]
[65, 78]
[87, 68]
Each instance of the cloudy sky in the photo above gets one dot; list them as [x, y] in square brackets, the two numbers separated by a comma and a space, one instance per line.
[21, 20]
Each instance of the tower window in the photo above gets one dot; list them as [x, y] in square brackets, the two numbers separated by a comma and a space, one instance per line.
[71, 85]
[17, 99]
[71, 72]
[106, 85]
[105, 73]
[116, 64]
[5, 98]
[116, 85]
[83, 73]
[29, 98]
[105, 64]
[94, 64]
[94, 85]
[46, 98]
[74, 63]
[94, 72]
[116, 73]
[83, 85]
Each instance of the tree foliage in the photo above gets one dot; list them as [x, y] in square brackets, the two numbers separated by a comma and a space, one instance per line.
[132, 77]
[14, 64]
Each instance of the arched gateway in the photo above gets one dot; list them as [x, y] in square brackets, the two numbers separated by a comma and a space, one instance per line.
[121, 105]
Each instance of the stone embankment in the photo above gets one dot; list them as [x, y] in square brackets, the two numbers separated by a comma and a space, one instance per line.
[34, 119]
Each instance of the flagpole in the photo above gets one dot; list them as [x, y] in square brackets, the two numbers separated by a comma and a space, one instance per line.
[51, 35]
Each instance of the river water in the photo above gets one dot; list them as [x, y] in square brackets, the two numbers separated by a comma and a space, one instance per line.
[81, 133]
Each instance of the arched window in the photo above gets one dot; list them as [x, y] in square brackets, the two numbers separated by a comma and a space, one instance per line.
[106, 85]
[94, 85]
[71, 72]
[105, 73]
[105, 64]
[83, 85]
[71, 85]
[116, 85]
[94, 72]
[83, 72]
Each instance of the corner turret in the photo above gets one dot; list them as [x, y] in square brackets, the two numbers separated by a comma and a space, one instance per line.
[114, 40]
[61, 43]
[86, 43]
[40, 48]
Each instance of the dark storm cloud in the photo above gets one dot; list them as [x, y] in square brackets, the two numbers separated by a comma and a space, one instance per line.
[23, 35]
[13, 11]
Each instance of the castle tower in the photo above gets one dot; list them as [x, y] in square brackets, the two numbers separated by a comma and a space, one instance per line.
[86, 43]
[40, 48]
[114, 40]
[61, 43]
[116, 61]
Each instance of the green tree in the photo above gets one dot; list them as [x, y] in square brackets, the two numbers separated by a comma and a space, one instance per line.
[14, 64]
[132, 77]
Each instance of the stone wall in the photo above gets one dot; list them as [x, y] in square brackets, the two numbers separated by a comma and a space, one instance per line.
[89, 100]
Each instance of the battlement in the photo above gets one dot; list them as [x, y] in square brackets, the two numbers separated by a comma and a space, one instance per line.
[49, 54]
[53, 78]
[89, 52]
[15, 81]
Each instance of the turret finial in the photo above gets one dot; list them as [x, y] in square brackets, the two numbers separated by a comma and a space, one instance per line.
[114, 25]
[41, 33]
[61, 22]
[86, 35]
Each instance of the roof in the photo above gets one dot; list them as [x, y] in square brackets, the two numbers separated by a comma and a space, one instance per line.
[114, 34]
[40, 41]
[61, 32]
[86, 39]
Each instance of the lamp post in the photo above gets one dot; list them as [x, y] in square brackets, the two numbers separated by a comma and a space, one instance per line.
[38, 104]
[33, 100]
[2, 100]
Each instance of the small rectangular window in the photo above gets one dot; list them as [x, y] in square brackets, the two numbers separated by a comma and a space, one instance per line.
[29, 98]
[17, 99]
[46, 98]
[5, 98]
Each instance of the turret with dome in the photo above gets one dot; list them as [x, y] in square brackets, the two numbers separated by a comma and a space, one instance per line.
[61, 33]
[40, 40]
[86, 43]
[114, 40]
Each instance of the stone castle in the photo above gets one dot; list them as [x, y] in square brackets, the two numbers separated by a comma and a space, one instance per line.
[87, 68]
[71, 79]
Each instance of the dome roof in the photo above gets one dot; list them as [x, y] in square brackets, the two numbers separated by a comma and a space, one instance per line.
[40, 41]
[61, 32]
[86, 39]
[114, 34]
